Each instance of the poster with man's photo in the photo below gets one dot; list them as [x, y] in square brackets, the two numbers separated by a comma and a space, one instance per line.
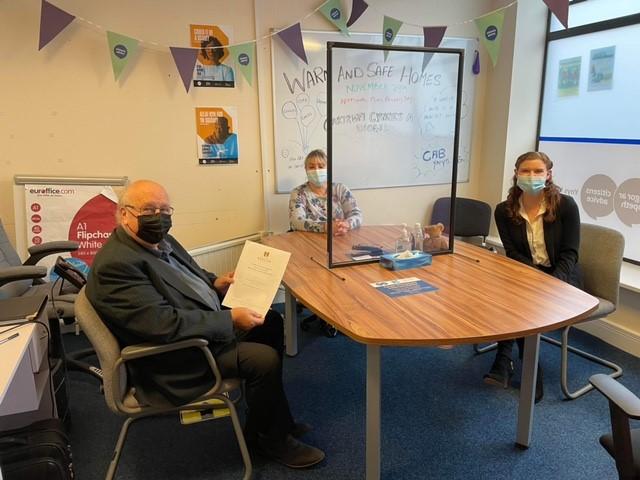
[217, 137]
[213, 63]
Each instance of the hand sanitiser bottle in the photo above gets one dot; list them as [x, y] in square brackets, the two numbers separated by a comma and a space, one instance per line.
[403, 243]
[418, 237]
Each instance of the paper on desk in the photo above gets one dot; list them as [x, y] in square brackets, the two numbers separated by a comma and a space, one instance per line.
[257, 277]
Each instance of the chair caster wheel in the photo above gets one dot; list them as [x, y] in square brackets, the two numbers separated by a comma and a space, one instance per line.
[305, 325]
[330, 331]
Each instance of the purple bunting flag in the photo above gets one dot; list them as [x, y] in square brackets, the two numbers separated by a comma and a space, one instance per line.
[560, 8]
[292, 36]
[432, 38]
[52, 21]
[357, 9]
[185, 59]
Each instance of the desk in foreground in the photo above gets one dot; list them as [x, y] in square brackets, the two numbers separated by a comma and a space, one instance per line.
[481, 297]
[24, 374]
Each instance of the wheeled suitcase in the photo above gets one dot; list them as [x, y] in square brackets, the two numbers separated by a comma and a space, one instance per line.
[39, 451]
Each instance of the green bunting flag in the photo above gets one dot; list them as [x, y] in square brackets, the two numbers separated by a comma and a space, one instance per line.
[122, 49]
[333, 11]
[244, 55]
[490, 28]
[390, 29]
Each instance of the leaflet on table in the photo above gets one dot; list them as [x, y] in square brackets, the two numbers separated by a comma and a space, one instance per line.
[257, 277]
[403, 286]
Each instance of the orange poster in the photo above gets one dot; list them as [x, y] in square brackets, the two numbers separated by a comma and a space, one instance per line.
[216, 138]
[211, 68]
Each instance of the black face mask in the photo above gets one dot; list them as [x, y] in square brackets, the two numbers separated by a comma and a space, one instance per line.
[153, 228]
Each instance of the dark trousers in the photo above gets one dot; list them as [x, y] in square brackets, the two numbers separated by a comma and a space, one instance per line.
[257, 358]
[505, 347]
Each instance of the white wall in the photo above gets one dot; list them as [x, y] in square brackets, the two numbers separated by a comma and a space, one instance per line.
[391, 205]
[62, 113]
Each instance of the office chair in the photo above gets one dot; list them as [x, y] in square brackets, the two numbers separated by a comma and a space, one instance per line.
[21, 279]
[18, 279]
[601, 273]
[472, 219]
[119, 393]
[623, 443]
[328, 329]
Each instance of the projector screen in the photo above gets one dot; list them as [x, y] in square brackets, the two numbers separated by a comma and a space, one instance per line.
[590, 127]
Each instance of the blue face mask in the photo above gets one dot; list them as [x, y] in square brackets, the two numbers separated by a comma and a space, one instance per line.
[317, 177]
[531, 185]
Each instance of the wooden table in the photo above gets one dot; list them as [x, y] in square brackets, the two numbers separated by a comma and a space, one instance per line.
[481, 297]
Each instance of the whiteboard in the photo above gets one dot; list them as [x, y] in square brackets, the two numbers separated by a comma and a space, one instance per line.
[300, 106]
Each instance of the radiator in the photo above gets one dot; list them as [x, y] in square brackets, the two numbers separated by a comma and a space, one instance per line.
[221, 257]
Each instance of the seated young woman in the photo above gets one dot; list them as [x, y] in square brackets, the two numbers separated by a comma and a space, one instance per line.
[538, 226]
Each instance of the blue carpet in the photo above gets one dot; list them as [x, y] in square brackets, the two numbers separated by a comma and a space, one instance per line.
[439, 420]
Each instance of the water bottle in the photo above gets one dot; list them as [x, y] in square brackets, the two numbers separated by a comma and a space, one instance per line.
[418, 237]
[404, 242]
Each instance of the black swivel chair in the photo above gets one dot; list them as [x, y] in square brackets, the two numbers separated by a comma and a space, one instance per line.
[623, 443]
[472, 219]
[19, 279]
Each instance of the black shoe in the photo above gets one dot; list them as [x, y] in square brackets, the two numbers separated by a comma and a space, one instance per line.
[501, 372]
[290, 452]
[539, 385]
[300, 429]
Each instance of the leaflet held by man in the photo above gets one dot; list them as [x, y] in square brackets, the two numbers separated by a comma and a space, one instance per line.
[257, 277]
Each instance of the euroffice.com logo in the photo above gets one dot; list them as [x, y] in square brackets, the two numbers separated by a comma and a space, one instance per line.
[51, 191]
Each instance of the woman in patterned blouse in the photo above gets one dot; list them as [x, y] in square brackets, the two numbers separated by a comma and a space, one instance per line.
[308, 202]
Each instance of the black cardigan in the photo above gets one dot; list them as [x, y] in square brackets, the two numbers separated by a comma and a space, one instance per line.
[561, 238]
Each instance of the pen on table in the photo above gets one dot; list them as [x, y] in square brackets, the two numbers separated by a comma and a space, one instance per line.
[477, 260]
[11, 337]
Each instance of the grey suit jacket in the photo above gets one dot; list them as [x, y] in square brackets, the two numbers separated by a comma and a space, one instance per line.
[141, 298]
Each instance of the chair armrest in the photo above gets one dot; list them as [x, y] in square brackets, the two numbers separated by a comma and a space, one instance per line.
[12, 274]
[142, 350]
[38, 252]
[617, 394]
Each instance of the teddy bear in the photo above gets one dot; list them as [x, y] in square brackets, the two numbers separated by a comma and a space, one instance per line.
[433, 239]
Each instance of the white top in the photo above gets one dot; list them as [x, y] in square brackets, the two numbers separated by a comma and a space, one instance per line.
[535, 235]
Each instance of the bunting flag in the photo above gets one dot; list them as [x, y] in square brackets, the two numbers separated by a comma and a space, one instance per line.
[490, 28]
[390, 28]
[185, 59]
[333, 11]
[121, 49]
[560, 8]
[432, 38]
[357, 9]
[292, 37]
[244, 56]
[52, 21]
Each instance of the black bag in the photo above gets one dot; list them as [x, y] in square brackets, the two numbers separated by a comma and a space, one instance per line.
[39, 451]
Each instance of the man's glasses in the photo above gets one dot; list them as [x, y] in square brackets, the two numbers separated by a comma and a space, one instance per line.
[151, 210]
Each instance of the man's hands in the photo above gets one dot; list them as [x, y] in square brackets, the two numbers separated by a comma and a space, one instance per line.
[245, 318]
[222, 283]
[340, 227]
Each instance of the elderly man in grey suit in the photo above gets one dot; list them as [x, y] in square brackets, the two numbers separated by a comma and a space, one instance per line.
[147, 288]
